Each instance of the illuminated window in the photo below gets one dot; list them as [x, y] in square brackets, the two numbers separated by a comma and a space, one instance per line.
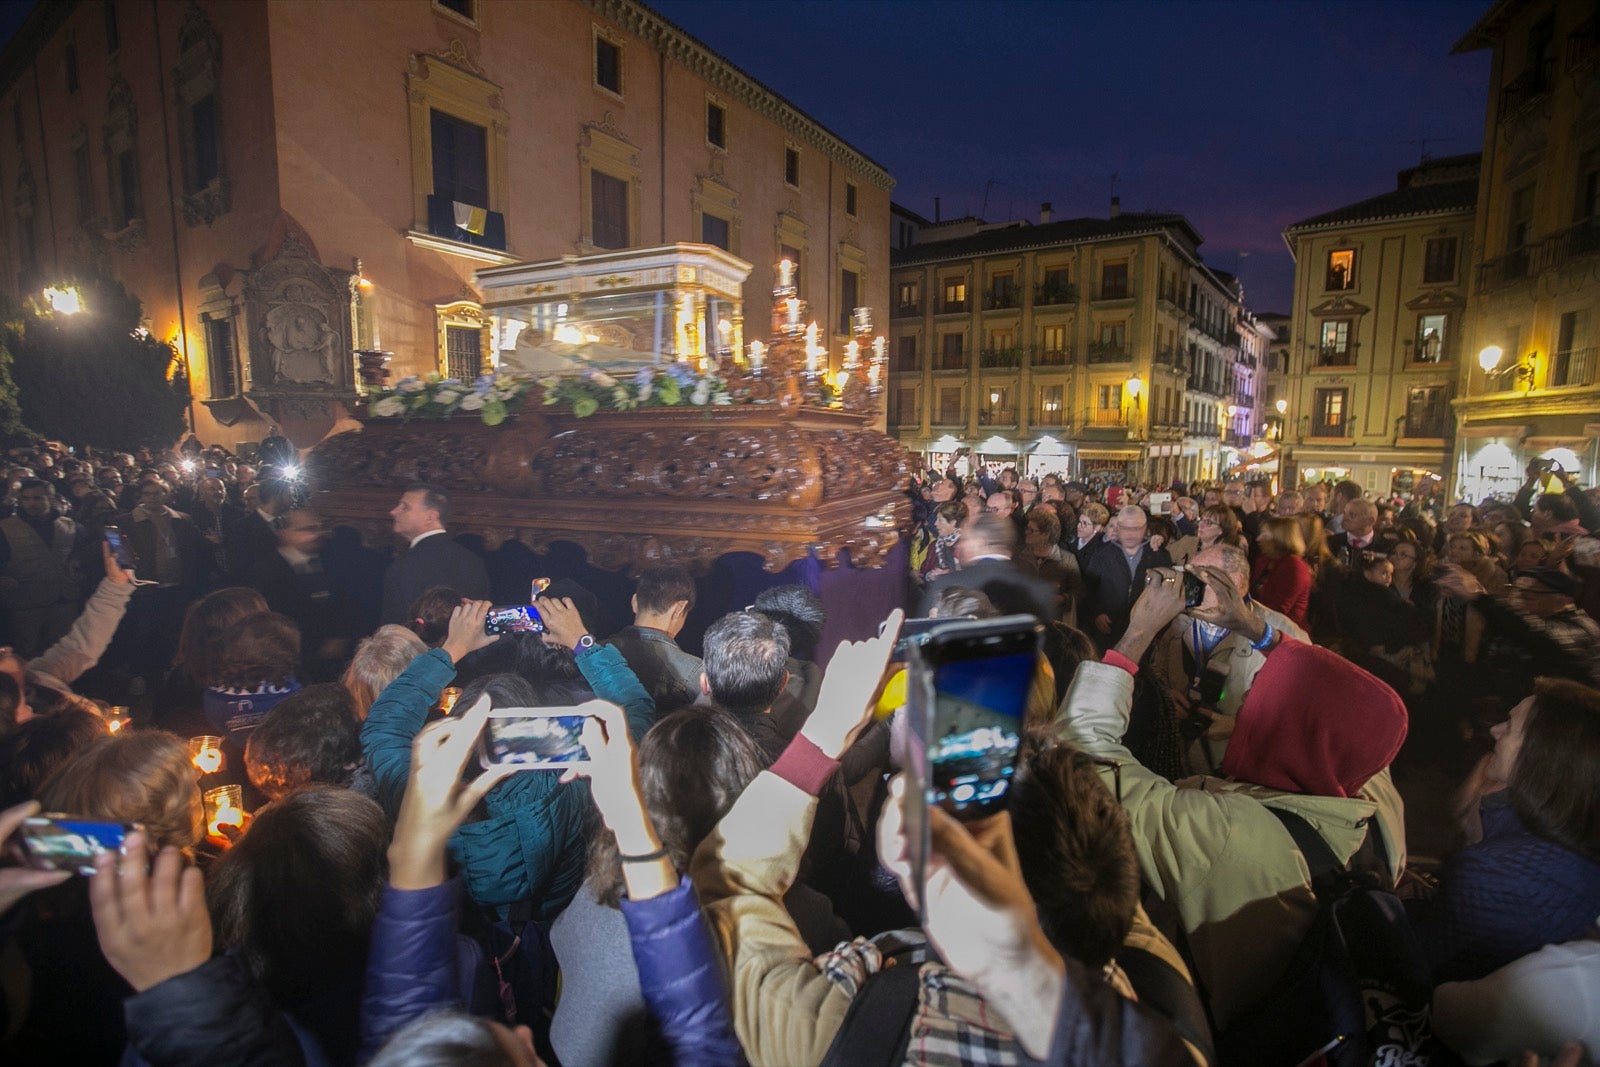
[1110, 397]
[955, 295]
[1328, 412]
[1341, 270]
[1337, 349]
[908, 298]
[1050, 411]
[1430, 338]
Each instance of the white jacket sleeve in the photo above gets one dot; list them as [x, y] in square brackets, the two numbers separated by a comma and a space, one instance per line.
[86, 642]
[1540, 1002]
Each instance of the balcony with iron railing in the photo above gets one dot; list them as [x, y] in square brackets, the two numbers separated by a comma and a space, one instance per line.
[1170, 357]
[1054, 295]
[950, 361]
[1210, 384]
[1204, 428]
[1107, 419]
[1114, 292]
[1238, 440]
[1006, 298]
[1574, 367]
[1432, 425]
[997, 417]
[948, 417]
[1048, 415]
[1337, 355]
[1109, 352]
[953, 307]
[904, 364]
[1339, 429]
[906, 311]
[1580, 239]
[1526, 88]
[1050, 357]
[997, 358]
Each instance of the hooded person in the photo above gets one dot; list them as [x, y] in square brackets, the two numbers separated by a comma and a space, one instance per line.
[1314, 738]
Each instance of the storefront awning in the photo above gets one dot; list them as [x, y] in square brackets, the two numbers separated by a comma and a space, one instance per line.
[1108, 453]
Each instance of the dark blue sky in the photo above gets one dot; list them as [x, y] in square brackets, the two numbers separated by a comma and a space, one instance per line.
[1245, 116]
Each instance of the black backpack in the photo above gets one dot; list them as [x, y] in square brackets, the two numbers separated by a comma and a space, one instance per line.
[1357, 991]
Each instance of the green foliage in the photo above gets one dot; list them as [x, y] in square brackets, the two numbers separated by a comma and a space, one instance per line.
[90, 378]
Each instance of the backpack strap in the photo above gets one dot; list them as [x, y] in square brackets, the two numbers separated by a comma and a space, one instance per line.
[1319, 857]
[1162, 988]
[877, 1027]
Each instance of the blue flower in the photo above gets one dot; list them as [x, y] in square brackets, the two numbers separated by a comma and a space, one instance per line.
[682, 372]
[484, 383]
[645, 376]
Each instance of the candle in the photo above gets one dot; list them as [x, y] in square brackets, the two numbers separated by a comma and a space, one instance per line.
[794, 311]
[880, 346]
[205, 752]
[863, 319]
[852, 352]
[872, 374]
[757, 350]
[811, 349]
[785, 274]
[224, 807]
[448, 697]
[116, 718]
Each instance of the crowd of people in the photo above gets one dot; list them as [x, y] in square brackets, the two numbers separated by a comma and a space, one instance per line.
[325, 854]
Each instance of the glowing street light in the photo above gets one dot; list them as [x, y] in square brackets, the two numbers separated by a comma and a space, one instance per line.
[1135, 386]
[63, 301]
[1282, 406]
[1489, 358]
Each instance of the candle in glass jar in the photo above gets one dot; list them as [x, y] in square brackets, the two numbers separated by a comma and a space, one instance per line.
[448, 697]
[205, 752]
[224, 807]
[116, 718]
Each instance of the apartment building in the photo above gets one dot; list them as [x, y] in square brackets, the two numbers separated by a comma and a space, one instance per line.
[1095, 346]
[1527, 385]
[1380, 301]
[326, 178]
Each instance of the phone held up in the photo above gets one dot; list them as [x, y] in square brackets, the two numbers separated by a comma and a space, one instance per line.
[119, 548]
[533, 738]
[69, 843]
[513, 619]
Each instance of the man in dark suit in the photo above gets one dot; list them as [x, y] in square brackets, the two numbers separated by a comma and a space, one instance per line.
[253, 537]
[1360, 534]
[433, 557]
[1115, 574]
[985, 549]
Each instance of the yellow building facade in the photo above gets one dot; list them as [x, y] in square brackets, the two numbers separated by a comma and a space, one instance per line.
[1529, 385]
[1093, 347]
[1377, 331]
[362, 161]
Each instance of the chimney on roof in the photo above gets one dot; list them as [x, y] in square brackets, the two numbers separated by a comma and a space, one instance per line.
[1116, 207]
[936, 209]
[1044, 213]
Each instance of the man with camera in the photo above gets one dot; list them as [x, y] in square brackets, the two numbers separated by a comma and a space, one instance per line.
[1569, 512]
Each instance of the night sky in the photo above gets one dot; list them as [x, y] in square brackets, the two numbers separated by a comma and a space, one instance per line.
[1244, 116]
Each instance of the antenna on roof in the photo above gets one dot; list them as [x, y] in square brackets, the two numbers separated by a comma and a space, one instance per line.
[983, 212]
[1422, 146]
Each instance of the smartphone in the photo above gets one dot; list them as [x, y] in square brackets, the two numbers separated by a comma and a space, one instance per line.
[1194, 586]
[533, 738]
[68, 843]
[913, 631]
[974, 678]
[513, 619]
[119, 548]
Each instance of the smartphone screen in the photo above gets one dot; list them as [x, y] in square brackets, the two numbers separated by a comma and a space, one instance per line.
[977, 730]
[64, 843]
[119, 548]
[534, 738]
[513, 619]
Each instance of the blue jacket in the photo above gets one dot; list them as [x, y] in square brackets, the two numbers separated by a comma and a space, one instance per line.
[413, 968]
[532, 844]
[214, 1014]
[680, 977]
[1510, 894]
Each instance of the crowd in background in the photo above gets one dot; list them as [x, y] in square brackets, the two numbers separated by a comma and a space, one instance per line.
[1237, 697]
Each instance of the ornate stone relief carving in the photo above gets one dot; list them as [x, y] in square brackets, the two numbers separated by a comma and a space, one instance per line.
[299, 320]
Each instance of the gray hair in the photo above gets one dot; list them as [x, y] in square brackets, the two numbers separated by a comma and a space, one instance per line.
[378, 661]
[1235, 563]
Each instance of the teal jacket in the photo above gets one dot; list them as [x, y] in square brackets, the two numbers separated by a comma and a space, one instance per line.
[532, 844]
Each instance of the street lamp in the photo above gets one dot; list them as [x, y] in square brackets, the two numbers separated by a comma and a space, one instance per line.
[1489, 358]
[1282, 406]
[63, 301]
[1135, 385]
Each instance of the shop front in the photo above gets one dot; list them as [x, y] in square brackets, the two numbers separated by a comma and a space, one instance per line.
[1493, 459]
[1048, 456]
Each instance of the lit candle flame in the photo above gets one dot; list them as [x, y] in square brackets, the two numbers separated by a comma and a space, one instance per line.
[227, 815]
[757, 351]
[208, 760]
[448, 698]
[852, 352]
[785, 274]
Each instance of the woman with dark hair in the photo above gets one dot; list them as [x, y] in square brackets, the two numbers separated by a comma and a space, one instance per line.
[178, 701]
[31, 752]
[295, 898]
[253, 670]
[1533, 876]
[693, 765]
[530, 845]
[430, 614]
[941, 558]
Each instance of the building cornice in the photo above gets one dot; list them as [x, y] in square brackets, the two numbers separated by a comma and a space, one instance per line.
[1465, 213]
[1126, 235]
[678, 46]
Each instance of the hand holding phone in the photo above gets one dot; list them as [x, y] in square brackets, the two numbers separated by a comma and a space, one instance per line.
[513, 619]
[465, 633]
[17, 882]
[846, 699]
[534, 738]
[151, 918]
[56, 842]
[119, 548]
